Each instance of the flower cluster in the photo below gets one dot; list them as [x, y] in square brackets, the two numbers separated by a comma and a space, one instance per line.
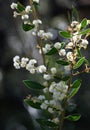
[23, 12]
[57, 93]
[56, 88]
[28, 64]
[69, 50]
[42, 34]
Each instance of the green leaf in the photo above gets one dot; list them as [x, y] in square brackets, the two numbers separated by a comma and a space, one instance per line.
[62, 45]
[20, 7]
[63, 62]
[87, 62]
[79, 63]
[45, 122]
[73, 117]
[79, 53]
[75, 87]
[65, 34]
[84, 32]
[36, 5]
[33, 85]
[84, 23]
[33, 104]
[52, 51]
[27, 27]
[75, 15]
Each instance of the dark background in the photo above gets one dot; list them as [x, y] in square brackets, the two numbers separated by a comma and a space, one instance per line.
[14, 114]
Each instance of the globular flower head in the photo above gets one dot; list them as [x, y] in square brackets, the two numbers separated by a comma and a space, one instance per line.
[74, 23]
[41, 69]
[84, 43]
[24, 62]
[53, 70]
[14, 5]
[47, 76]
[28, 9]
[32, 62]
[50, 110]
[57, 45]
[70, 45]
[70, 56]
[15, 14]
[47, 35]
[25, 17]
[37, 22]
[41, 97]
[36, 1]
[16, 59]
[62, 52]
[16, 65]
[56, 120]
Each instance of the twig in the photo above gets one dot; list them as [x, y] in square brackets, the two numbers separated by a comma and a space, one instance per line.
[39, 39]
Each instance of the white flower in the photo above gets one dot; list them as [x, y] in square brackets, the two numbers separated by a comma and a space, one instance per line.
[56, 95]
[76, 37]
[88, 22]
[70, 45]
[62, 96]
[24, 61]
[44, 106]
[50, 110]
[53, 70]
[25, 16]
[41, 33]
[37, 1]
[16, 65]
[52, 87]
[70, 56]
[56, 120]
[32, 62]
[48, 47]
[41, 97]
[37, 22]
[41, 69]
[13, 6]
[31, 68]
[62, 52]
[15, 14]
[28, 9]
[47, 35]
[60, 85]
[44, 50]
[46, 101]
[47, 76]
[32, 71]
[44, 35]
[84, 43]
[52, 102]
[57, 45]
[16, 59]
[74, 23]
[45, 83]
[45, 90]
